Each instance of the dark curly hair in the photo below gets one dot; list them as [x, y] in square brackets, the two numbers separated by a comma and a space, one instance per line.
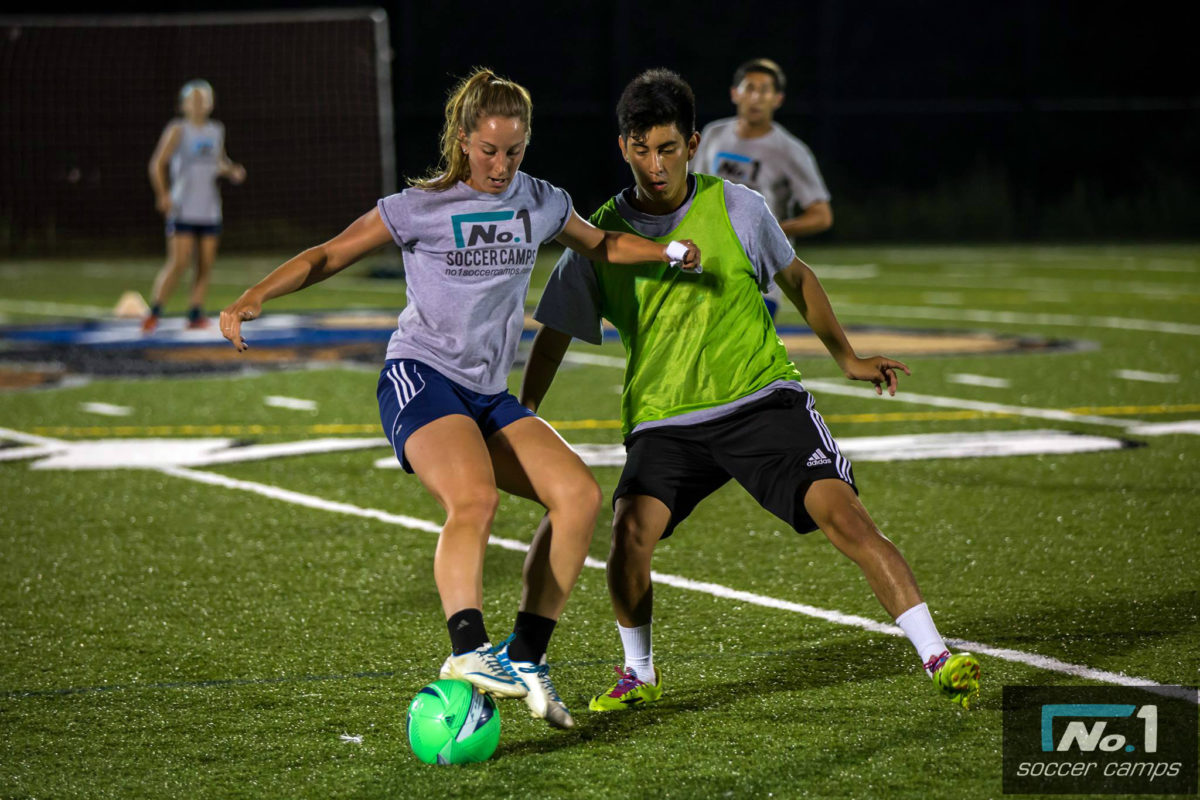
[656, 97]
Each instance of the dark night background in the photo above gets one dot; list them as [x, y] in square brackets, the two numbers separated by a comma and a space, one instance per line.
[931, 121]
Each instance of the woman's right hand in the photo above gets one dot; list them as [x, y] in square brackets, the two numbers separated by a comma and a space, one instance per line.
[163, 204]
[244, 309]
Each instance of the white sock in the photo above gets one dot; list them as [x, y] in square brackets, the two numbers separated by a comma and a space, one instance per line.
[918, 626]
[639, 655]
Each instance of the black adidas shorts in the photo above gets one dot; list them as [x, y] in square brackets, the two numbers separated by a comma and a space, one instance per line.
[774, 447]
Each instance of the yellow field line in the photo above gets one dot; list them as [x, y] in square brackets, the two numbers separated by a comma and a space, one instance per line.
[1118, 411]
[334, 429]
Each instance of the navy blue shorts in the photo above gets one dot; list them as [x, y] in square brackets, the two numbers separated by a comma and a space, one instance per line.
[174, 226]
[412, 394]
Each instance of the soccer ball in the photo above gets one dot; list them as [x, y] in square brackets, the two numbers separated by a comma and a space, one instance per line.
[451, 722]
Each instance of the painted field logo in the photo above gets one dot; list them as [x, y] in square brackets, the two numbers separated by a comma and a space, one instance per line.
[1102, 740]
[488, 227]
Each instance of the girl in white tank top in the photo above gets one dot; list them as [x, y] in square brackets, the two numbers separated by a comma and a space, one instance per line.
[192, 147]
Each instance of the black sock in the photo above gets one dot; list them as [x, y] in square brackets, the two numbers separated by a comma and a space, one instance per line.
[466, 630]
[195, 313]
[531, 637]
[156, 310]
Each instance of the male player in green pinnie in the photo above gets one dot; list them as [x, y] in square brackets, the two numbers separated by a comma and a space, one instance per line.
[709, 393]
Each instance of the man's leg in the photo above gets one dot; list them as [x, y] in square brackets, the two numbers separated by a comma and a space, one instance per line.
[667, 473]
[836, 509]
[639, 521]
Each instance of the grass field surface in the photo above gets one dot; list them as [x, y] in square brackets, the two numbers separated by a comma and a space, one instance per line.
[191, 631]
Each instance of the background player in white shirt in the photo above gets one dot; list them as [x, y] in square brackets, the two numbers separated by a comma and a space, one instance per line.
[192, 146]
[754, 150]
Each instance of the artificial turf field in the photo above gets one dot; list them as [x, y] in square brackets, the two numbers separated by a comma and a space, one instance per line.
[172, 633]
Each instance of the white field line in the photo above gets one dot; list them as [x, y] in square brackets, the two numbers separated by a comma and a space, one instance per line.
[973, 280]
[971, 379]
[1016, 317]
[675, 581]
[942, 298]
[1049, 297]
[28, 451]
[55, 309]
[28, 438]
[846, 272]
[106, 409]
[679, 582]
[1149, 377]
[833, 387]
[1042, 259]
[293, 403]
[348, 284]
[1191, 426]
[595, 359]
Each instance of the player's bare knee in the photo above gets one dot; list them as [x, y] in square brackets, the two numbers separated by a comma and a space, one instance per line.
[589, 497]
[578, 496]
[849, 529]
[631, 535]
[474, 509]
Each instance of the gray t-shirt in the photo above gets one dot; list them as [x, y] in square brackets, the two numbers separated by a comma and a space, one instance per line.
[778, 166]
[468, 256]
[195, 198]
[571, 303]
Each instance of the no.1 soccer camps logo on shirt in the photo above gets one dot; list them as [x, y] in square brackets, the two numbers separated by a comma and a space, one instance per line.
[1102, 740]
[737, 167]
[491, 243]
[492, 227]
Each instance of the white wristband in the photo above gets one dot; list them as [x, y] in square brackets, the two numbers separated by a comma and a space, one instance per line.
[676, 252]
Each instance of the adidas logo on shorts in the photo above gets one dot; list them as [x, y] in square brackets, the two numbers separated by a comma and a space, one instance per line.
[818, 458]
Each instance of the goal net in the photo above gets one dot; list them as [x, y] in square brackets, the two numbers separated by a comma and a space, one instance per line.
[305, 98]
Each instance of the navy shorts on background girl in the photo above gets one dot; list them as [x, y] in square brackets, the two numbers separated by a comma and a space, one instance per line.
[412, 394]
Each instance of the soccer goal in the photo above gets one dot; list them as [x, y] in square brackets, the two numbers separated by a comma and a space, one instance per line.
[305, 98]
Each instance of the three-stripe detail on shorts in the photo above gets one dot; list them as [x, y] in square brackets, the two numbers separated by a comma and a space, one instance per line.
[840, 461]
[405, 388]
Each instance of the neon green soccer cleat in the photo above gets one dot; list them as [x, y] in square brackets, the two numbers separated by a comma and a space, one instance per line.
[628, 692]
[956, 677]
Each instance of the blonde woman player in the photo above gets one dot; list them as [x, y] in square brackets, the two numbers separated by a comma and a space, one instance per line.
[470, 234]
[192, 147]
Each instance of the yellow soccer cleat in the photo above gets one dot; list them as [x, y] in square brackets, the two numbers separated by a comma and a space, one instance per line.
[628, 692]
[956, 677]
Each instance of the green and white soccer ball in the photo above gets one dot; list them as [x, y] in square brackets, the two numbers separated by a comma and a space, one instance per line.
[451, 722]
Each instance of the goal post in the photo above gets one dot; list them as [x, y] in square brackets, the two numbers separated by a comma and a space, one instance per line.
[304, 96]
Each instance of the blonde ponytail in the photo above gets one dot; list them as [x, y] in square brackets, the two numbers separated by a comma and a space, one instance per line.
[481, 94]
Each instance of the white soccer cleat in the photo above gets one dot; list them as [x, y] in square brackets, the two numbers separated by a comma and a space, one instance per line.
[542, 698]
[482, 669]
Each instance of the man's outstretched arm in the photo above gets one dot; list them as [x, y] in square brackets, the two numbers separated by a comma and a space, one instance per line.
[547, 352]
[801, 286]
